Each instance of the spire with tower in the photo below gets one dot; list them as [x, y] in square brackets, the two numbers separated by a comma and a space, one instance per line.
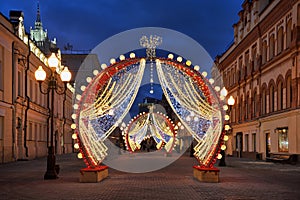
[40, 36]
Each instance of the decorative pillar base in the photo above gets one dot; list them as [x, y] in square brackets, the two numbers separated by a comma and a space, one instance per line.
[93, 175]
[210, 175]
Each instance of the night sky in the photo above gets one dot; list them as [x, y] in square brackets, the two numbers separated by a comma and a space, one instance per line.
[84, 24]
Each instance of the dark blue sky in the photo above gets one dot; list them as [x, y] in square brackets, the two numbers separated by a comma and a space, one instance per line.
[85, 24]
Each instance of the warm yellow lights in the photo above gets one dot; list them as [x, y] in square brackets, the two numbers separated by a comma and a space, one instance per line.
[88, 79]
[188, 63]
[211, 81]
[219, 156]
[95, 72]
[76, 146]
[227, 127]
[132, 55]
[225, 138]
[179, 59]
[82, 88]
[231, 101]
[196, 67]
[204, 74]
[170, 56]
[223, 147]
[112, 61]
[73, 126]
[73, 116]
[53, 62]
[225, 107]
[224, 92]
[79, 155]
[103, 66]
[40, 74]
[226, 117]
[74, 136]
[65, 75]
[122, 57]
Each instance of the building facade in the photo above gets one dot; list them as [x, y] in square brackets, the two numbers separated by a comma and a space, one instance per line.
[261, 70]
[24, 110]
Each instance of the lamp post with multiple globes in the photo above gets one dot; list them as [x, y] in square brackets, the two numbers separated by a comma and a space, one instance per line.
[40, 76]
[230, 103]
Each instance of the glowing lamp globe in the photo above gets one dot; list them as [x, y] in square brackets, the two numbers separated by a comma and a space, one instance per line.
[40, 74]
[224, 92]
[53, 62]
[65, 75]
[231, 101]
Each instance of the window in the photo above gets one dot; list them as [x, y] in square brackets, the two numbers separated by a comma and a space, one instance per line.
[272, 47]
[263, 101]
[264, 52]
[254, 106]
[1, 127]
[247, 107]
[280, 40]
[241, 109]
[283, 143]
[247, 64]
[1, 68]
[289, 94]
[280, 96]
[289, 33]
[254, 58]
[254, 141]
[271, 96]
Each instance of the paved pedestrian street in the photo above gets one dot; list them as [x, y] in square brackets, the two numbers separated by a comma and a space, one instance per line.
[240, 179]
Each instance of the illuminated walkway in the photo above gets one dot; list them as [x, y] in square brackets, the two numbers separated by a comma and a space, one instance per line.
[241, 179]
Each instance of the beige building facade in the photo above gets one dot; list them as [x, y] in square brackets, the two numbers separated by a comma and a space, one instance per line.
[24, 110]
[261, 70]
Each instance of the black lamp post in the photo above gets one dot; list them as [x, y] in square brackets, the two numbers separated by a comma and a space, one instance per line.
[40, 76]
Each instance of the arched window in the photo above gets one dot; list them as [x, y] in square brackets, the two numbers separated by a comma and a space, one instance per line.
[264, 101]
[247, 107]
[289, 93]
[289, 33]
[264, 52]
[280, 40]
[241, 109]
[272, 47]
[280, 95]
[271, 98]
[254, 104]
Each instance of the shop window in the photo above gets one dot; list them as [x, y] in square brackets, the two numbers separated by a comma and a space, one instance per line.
[283, 143]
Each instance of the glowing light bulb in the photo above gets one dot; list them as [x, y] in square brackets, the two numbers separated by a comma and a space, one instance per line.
[79, 155]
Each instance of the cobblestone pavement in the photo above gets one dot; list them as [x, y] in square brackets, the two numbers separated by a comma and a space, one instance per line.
[240, 179]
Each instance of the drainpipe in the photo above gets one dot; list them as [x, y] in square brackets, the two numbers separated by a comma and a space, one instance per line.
[27, 99]
[13, 103]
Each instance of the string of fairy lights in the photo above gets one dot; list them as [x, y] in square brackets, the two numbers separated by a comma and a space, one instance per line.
[107, 98]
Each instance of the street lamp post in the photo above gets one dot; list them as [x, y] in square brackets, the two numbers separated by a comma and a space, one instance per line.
[230, 103]
[40, 76]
